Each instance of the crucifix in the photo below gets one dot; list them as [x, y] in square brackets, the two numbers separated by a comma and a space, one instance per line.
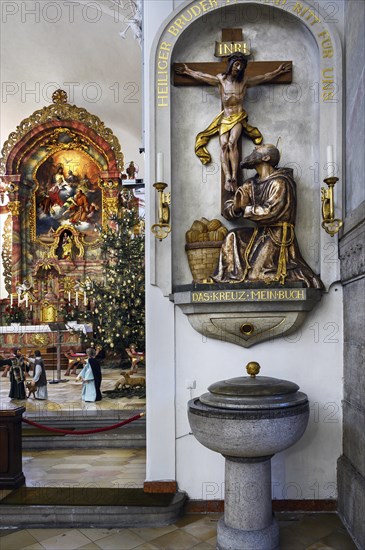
[232, 79]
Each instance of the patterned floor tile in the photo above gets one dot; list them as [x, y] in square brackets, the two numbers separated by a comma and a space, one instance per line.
[203, 530]
[44, 534]
[150, 533]
[36, 546]
[122, 540]
[90, 546]
[177, 540]
[68, 540]
[96, 534]
[339, 540]
[16, 540]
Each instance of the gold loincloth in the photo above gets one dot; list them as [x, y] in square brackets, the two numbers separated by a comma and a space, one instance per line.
[223, 124]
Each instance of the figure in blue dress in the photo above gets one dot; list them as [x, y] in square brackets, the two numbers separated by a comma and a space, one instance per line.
[91, 378]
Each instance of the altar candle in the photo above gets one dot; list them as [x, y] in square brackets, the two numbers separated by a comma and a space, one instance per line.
[85, 299]
[159, 173]
[330, 162]
[69, 296]
[26, 300]
[11, 300]
[77, 298]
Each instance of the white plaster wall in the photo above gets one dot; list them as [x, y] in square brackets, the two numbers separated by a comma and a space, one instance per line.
[160, 333]
[75, 46]
[312, 358]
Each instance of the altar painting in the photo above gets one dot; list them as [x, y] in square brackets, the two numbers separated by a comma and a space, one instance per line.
[68, 194]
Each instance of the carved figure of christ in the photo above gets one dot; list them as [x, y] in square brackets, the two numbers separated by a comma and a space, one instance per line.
[232, 121]
[232, 90]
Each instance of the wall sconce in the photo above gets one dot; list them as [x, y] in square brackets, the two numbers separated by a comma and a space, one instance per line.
[162, 228]
[330, 224]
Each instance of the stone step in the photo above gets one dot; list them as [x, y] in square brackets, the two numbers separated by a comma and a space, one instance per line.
[131, 435]
[89, 507]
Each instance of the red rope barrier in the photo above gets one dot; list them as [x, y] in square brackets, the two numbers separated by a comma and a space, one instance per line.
[83, 432]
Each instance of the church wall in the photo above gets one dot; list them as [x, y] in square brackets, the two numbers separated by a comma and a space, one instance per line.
[351, 466]
[312, 357]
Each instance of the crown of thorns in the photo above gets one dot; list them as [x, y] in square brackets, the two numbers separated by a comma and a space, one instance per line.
[237, 56]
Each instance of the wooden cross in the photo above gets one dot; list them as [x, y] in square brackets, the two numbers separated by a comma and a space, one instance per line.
[254, 68]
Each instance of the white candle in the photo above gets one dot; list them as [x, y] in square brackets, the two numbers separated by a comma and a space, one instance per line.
[330, 162]
[26, 300]
[77, 298]
[159, 172]
[11, 300]
[69, 296]
[85, 299]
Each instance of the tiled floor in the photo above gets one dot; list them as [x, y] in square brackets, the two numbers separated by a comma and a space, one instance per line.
[126, 468]
[66, 396]
[118, 468]
[297, 532]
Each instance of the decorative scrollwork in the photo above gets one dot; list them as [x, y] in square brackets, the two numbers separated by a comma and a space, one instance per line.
[14, 208]
[110, 207]
[61, 110]
[52, 143]
[68, 284]
[6, 253]
[40, 340]
[76, 242]
[108, 184]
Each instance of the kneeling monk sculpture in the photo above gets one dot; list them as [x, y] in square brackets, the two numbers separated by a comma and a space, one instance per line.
[269, 252]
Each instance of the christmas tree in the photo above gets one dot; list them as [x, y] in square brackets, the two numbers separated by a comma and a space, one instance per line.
[116, 306]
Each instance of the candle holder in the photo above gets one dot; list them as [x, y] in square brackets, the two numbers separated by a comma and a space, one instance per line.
[330, 224]
[162, 228]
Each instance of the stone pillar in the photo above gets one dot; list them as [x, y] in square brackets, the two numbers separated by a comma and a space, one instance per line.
[11, 474]
[248, 519]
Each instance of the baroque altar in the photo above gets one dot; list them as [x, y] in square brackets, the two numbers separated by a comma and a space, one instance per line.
[61, 170]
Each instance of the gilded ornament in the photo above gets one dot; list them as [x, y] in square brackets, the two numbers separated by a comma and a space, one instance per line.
[40, 340]
[14, 208]
[48, 313]
[109, 184]
[71, 246]
[62, 110]
[253, 368]
[12, 187]
[68, 284]
[6, 253]
[110, 206]
[53, 144]
[330, 224]
[59, 97]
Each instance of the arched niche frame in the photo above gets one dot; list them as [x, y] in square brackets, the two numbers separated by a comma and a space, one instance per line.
[329, 59]
[59, 133]
[267, 317]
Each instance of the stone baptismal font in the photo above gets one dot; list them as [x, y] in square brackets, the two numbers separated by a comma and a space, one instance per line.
[249, 419]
